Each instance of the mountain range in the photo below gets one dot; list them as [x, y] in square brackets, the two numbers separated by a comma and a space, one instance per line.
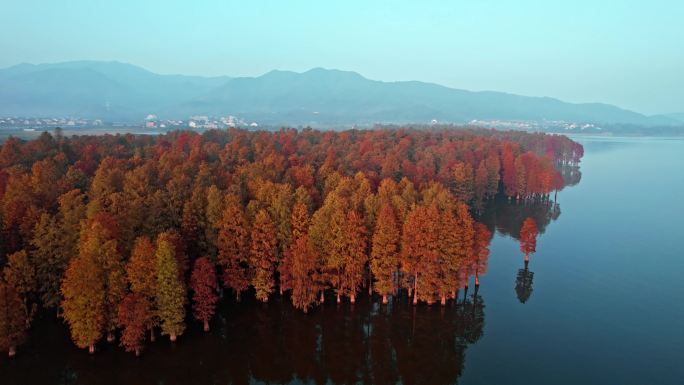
[115, 91]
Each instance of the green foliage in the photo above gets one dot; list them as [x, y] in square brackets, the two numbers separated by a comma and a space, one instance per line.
[51, 258]
[170, 291]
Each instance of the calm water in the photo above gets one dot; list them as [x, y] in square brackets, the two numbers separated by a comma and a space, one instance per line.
[599, 303]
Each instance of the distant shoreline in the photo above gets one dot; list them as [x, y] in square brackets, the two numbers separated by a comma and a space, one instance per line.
[33, 132]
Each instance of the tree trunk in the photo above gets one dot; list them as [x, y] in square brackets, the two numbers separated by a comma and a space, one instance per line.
[415, 290]
[527, 257]
[110, 337]
[443, 300]
[172, 337]
[137, 352]
[91, 349]
[477, 280]
[322, 298]
[352, 298]
[12, 351]
[153, 337]
[338, 298]
[206, 325]
[384, 299]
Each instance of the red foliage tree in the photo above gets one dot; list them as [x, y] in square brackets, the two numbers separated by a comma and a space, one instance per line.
[385, 252]
[480, 251]
[528, 238]
[204, 286]
[304, 267]
[233, 247]
[134, 319]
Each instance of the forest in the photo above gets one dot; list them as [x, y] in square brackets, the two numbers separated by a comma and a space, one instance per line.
[129, 236]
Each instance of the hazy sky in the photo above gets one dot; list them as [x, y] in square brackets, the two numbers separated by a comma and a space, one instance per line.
[629, 53]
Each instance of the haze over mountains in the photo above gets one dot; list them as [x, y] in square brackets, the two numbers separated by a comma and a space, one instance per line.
[121, 92]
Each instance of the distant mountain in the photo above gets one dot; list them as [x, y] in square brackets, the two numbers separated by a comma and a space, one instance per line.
[117, 91]
[91, 89]
[676, 116]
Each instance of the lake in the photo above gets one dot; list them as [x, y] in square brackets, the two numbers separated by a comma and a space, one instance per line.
[600, 302]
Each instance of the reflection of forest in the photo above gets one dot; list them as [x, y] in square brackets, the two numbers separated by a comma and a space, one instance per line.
[571, 175]
[364, 343]
[507, 217]
[523, 284]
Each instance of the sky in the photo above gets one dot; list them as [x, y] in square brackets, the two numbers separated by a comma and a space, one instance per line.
[622, 52]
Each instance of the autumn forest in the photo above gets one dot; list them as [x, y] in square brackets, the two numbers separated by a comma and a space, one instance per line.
[129, 237]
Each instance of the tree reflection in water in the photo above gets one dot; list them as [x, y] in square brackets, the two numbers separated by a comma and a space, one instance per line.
[523, 284]
[276, 344]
